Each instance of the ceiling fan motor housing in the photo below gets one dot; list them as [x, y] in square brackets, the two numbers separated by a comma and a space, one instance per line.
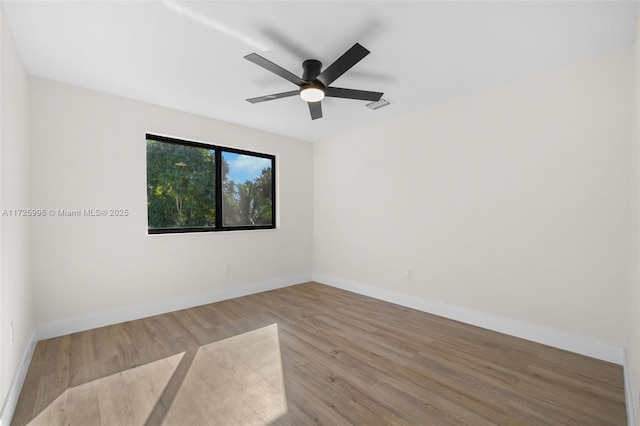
[311, 69]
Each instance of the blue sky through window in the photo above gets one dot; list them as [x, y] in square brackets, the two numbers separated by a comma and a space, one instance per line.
[244, 167]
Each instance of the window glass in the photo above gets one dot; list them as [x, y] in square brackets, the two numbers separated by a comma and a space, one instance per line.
[247, 198]
[180, 186]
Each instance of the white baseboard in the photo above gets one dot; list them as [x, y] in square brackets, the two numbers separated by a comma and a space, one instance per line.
[9, 406]
[560, 339]
[86, 322]
[628, 392]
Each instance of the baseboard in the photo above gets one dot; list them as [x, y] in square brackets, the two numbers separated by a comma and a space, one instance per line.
[560, 339]
[628, 391]
[101, 319]
[9, 406]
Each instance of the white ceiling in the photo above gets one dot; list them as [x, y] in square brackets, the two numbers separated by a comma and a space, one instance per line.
[189, 55]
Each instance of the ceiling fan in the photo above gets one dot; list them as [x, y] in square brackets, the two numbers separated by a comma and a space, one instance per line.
[314, 84]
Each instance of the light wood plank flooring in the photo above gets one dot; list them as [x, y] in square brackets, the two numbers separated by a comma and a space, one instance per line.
[312, 354]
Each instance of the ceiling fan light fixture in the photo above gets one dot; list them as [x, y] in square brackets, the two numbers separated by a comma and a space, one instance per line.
[312, 94]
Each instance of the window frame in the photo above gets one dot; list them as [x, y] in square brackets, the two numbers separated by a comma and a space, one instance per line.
[218, 150]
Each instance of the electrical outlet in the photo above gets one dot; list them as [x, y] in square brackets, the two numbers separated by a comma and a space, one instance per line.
[409, 273]
[12, 335]
[227, 268]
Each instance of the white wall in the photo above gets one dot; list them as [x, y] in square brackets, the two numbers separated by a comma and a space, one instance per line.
[513, 202]
[88, 151]
[16, 292]
[633, 299]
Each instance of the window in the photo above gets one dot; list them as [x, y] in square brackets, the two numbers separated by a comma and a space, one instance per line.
[195, 187]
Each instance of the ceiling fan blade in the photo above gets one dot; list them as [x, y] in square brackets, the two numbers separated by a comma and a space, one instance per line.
[342, 64]
[276, 69]
[274, 96]
[315, 108]
[337, 92]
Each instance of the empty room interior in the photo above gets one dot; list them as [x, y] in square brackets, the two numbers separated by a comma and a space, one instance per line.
[319, 212]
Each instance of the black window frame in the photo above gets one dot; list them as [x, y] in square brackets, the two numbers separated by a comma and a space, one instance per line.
[218, 149]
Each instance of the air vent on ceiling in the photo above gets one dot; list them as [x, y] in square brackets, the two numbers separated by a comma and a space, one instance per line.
[378, 104]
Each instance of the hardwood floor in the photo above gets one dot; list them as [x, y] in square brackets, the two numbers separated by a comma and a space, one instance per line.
[312, 354]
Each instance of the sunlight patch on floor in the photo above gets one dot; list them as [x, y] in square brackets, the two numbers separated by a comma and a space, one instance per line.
[236, 381]
[131, 394]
